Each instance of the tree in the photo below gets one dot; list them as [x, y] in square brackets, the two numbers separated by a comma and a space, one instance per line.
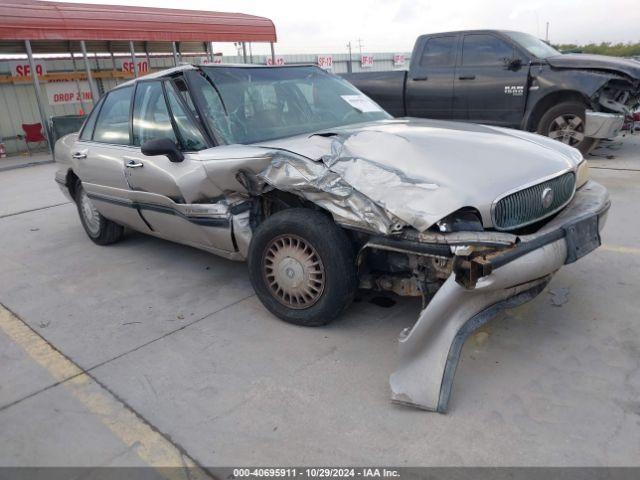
[604, 48]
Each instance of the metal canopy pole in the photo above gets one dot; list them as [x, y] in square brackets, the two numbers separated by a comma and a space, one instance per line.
[95, 95]
[75, 69]
[175, 54]
[273, 54]
[244, 52]
[36, 83]
[113, 58]
[133, 59]
[146, 52]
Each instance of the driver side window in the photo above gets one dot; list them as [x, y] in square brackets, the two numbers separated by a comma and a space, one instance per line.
[483, 49]
[151, 118]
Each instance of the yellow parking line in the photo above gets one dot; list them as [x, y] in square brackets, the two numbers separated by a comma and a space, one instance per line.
[154, 449]
[620, 249]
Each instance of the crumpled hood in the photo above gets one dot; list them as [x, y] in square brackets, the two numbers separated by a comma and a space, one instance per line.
[600, 62]
[422, 170]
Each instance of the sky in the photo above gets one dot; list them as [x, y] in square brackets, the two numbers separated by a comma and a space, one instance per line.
[326, 26]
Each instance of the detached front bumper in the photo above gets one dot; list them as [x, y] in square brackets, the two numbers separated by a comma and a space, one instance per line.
[430, 350]
[603, 125]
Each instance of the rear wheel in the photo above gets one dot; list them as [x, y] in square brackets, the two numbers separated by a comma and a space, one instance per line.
[99, 229]
[565, 122]
[302, 267]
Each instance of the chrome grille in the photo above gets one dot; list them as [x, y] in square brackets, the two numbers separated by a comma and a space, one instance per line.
[526, 206]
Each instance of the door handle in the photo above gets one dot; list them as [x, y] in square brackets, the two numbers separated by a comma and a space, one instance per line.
[79, 155]
[467, 77]
[421, 79]
[134, 164]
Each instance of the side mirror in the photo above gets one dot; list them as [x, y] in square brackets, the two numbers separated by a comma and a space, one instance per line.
[513, 63]
[162, 146]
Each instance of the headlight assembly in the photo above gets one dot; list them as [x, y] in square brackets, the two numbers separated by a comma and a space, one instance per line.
[582, 175]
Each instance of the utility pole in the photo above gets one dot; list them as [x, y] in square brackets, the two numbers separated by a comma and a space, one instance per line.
[360, 46]
[547, 35]
[349, 63]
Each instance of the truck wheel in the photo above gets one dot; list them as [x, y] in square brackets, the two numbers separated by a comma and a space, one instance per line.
[99, 229]
[302, 267]
[565, 122]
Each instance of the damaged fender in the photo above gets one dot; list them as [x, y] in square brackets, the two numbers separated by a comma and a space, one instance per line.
[430, 350]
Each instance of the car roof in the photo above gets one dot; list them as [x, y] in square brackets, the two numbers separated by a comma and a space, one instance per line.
[159, 74]
[187, 66]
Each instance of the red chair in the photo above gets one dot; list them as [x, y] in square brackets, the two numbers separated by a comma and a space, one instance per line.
[33, 134]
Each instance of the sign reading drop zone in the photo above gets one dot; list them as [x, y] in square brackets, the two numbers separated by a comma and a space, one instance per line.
[62, 93]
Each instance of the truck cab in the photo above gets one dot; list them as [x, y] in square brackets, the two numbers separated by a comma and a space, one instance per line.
[510, 79]
[478, 76]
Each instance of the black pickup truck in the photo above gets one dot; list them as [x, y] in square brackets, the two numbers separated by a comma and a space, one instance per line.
[510, 79]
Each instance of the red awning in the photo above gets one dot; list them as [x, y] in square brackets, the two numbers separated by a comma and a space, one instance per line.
[57, 21]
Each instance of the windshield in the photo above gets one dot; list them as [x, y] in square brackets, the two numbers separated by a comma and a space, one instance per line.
[260, 104]
[533, 45]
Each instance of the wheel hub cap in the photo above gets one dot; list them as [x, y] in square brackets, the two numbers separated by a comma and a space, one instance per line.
[567, 129]
[90, 213]
[293, 271]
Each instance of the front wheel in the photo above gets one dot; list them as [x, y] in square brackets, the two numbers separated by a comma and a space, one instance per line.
[302, 267]
[565, 122]
[99, 229]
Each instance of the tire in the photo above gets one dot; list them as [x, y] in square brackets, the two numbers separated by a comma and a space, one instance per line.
[571, 132]
[302, 267]
[99, 229]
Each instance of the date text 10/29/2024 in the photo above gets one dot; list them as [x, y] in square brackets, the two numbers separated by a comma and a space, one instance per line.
[318, 472]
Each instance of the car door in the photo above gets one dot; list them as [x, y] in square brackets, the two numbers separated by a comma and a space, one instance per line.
[177, 199]
[490, 81]
[429, 90]
[97, 158]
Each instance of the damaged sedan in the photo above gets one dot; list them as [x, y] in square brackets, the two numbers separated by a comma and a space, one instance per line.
[324, 193]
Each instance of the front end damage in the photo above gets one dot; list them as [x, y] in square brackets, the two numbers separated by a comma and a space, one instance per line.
[465, 275]
[488, 273]
[609, 87]
[611, 106]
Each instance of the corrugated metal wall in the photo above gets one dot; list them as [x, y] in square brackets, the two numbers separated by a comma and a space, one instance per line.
[18, 101]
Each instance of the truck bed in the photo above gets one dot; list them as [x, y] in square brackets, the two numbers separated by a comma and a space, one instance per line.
[386, 88]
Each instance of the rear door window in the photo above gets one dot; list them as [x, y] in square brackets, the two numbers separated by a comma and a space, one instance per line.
[112, 125]
[89, 125]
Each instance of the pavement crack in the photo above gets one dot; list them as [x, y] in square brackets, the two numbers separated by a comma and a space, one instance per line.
[21, 332]
[105, 362]
[26, 165]
[615, 168]
[33, 210]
